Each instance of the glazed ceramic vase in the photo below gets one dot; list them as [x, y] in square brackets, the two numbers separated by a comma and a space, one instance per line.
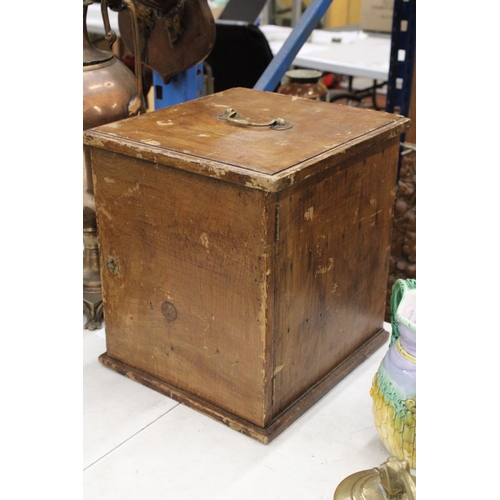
[394, 385]
[304, 83]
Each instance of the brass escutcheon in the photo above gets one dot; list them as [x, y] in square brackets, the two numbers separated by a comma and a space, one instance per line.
[111, 265]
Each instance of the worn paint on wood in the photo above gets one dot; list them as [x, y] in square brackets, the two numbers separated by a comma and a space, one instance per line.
[191, 137]
[244, 271]
[332, 267]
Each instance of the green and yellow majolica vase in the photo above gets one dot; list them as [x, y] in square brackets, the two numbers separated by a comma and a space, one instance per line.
[394, 385]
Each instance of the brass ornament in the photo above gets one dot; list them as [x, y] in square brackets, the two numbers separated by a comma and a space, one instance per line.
[391, 481]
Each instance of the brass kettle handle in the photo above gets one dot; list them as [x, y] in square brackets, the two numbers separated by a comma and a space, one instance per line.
[136, 105]
[234, 117]
[109, 34]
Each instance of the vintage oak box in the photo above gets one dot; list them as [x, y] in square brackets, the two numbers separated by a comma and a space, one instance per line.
[244, 266]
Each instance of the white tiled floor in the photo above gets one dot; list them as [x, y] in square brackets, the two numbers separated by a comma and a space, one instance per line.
[141, 445]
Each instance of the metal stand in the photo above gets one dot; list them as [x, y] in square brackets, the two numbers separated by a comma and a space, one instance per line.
[402, 62]
[92, 294]
[93, 309]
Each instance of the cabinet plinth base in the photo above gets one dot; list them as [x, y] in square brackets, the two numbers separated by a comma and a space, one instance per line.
[282, 421]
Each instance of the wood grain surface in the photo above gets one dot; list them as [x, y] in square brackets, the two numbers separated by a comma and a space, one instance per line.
[245, 275]
[190, 136]
[200, 246]
[332, 267]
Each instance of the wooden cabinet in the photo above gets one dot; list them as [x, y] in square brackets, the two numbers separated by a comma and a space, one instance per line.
[244, 267]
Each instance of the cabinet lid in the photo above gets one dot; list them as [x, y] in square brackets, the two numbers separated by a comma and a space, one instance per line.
[197, 136]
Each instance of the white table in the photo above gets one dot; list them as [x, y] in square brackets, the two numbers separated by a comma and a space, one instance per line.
[358, 54]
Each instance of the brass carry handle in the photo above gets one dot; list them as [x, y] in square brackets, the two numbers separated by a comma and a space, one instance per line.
[234, 117]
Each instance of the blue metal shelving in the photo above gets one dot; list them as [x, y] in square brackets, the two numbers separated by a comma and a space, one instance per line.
[402, 59]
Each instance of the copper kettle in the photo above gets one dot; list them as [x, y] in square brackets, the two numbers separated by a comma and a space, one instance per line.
[110, 92]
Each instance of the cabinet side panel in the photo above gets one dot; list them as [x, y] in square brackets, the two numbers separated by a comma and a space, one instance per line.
[332, 267]
[185, 299]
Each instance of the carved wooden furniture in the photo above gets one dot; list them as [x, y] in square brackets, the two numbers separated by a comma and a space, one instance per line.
[245, 257]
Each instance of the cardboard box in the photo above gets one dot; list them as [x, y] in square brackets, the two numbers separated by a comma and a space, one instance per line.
[376, 15]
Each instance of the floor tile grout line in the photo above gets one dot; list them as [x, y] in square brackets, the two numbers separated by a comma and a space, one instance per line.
[129, 438]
